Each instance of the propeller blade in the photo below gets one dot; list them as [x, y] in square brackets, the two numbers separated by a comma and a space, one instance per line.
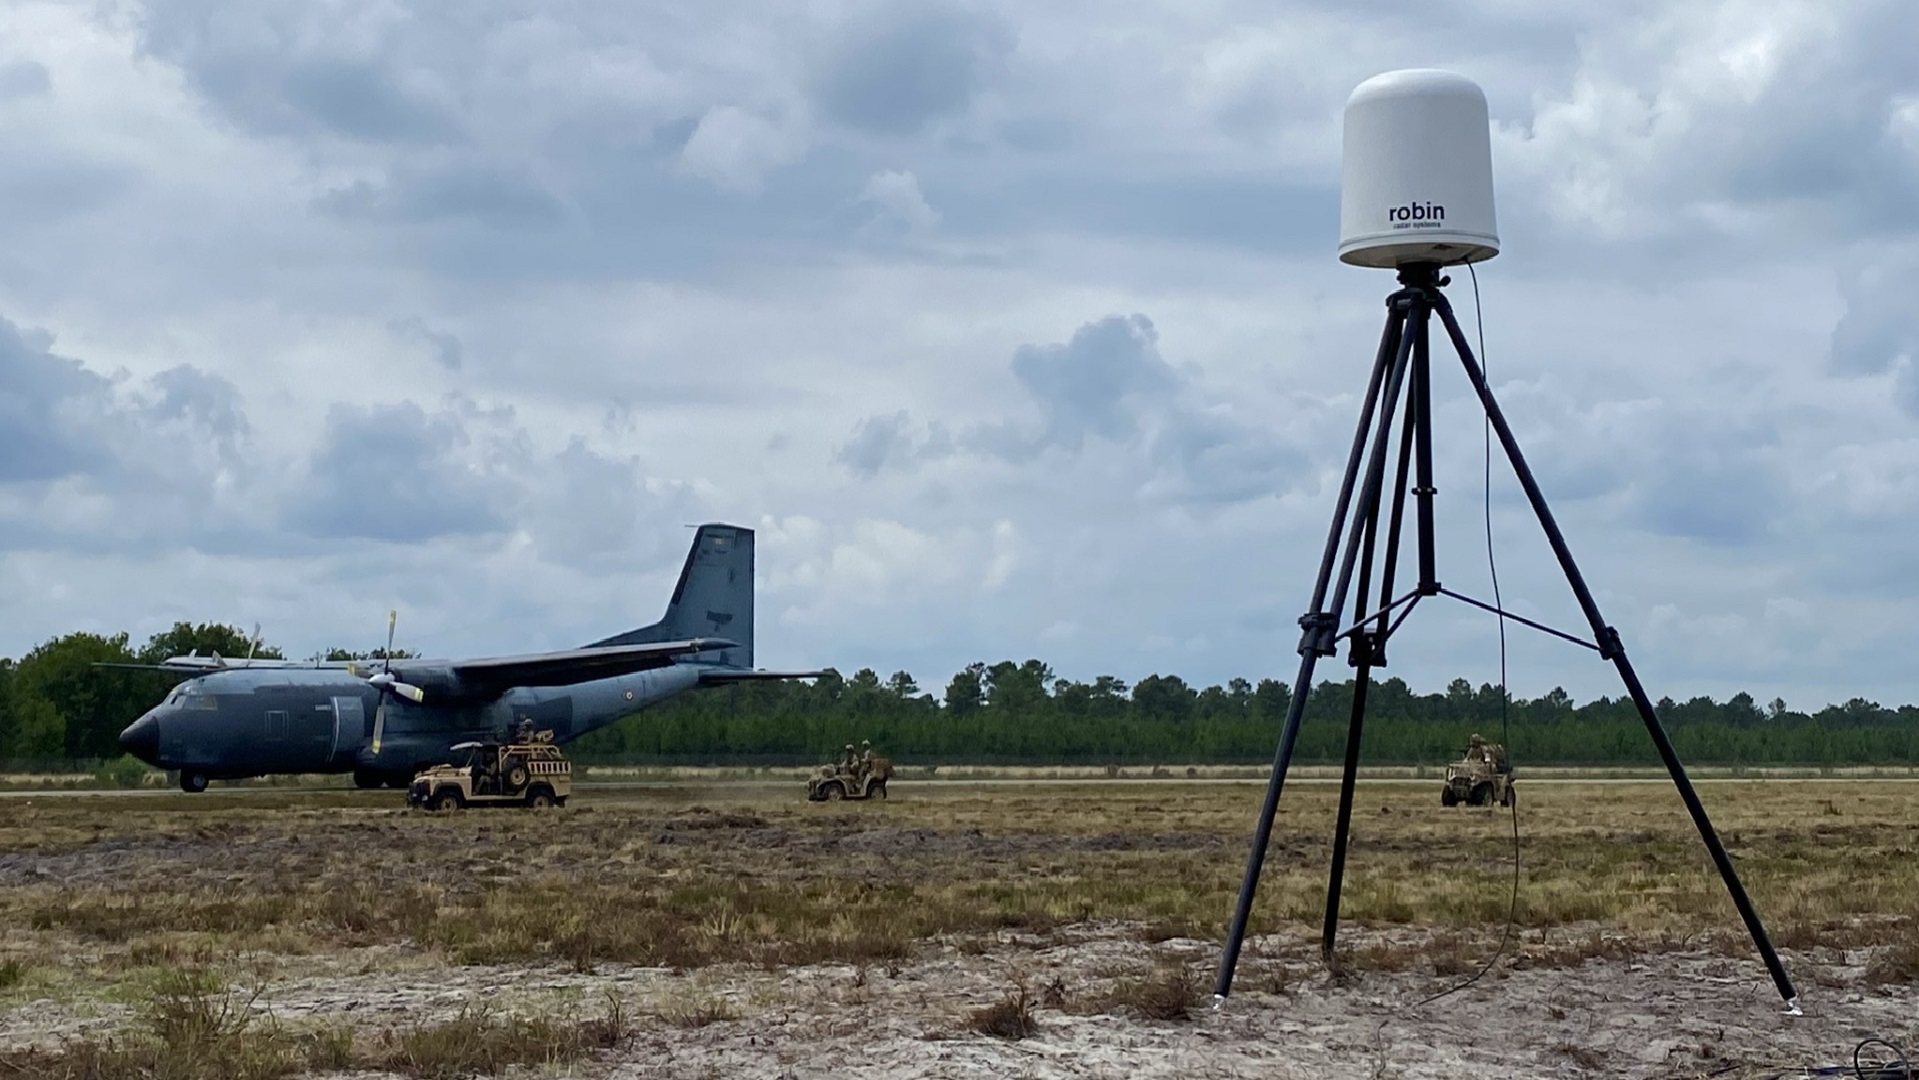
[379, 724]
[253, 645]
[391, 618]
[385, 681]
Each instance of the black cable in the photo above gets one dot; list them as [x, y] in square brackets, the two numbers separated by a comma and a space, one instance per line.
[1492, 564]
[1882, 1072]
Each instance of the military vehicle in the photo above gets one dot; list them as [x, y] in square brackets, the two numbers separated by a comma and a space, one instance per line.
[863, 780]
[1480, 778]
[528, 772]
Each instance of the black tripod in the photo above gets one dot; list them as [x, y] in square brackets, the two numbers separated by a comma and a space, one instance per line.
[1404, 352]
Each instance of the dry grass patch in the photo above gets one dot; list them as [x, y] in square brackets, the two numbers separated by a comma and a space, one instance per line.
[1898, 962]
[481, 1041]
[760, 877]
[1011, 1017]
[1170, 991]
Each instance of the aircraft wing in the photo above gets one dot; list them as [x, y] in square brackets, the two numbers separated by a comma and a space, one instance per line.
[573, 665]
[722, 676]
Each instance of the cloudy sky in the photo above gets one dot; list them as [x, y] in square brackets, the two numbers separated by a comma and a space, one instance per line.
[1014, 329]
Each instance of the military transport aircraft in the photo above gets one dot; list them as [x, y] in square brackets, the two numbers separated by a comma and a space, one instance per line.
[384, 720]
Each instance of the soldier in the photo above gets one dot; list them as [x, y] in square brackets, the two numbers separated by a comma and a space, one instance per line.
[1476, 748]
[849, 762]
[866, 758]
[525, 734]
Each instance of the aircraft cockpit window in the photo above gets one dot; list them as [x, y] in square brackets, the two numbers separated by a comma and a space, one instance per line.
[198, 700]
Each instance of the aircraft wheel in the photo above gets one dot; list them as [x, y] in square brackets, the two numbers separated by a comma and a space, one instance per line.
[366, 779]
[193, 783]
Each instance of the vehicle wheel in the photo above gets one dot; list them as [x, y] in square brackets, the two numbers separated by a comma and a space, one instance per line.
[1448, 797]
[193, 783]
[832, 792]
[1482, 795]
[540, 799]
[367, 779]
[443, 800]
[515, 773]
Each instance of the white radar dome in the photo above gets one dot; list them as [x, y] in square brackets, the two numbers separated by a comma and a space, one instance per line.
[1416, 179]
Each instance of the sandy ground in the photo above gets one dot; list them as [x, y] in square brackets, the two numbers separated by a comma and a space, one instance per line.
[1684, 1014]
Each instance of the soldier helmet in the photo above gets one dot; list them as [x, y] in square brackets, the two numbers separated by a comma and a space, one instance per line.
[1477, 741]
[865, 743]
[849, 746]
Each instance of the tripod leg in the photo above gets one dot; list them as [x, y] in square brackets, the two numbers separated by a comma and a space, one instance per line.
[1315, 641]
[1611, 648]
[1329, 930]
[1368, 646]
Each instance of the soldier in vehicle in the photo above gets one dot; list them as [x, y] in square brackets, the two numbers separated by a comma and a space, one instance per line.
[849, 762]
[483, 779]
[525, 732]
[1476, 749]
[866, 758]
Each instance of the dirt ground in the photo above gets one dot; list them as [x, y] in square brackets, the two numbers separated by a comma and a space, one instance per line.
[1627, 961]
[1669, 1015]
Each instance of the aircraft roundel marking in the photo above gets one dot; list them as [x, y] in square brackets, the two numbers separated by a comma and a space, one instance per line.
[629, 695]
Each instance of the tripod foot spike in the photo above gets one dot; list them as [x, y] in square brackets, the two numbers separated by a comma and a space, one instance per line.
[1219, 1002]
[1792, 1007]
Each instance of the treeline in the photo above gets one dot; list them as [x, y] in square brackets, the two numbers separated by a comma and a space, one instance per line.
[1021, 713]
[55, 705]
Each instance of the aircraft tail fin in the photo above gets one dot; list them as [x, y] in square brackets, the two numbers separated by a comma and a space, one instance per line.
[714, 598]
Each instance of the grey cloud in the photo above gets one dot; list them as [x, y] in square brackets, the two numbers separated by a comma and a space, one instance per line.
[199, 399]
[476, 191]
[23, 78]
[1723, 491]
[49, 406]
[446, 348]
[1098, 382]
[879, 442]
[1107, 386]
[913, 65]
[394, 473]
[271, 70]
[590, 510]
[1878, 333]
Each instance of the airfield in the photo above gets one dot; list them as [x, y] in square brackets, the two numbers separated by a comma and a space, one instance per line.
[1005, 925]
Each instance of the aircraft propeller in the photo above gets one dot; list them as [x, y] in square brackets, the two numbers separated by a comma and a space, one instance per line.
[387, 684]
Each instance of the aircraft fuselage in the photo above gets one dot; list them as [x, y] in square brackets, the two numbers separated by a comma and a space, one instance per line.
[243, 723]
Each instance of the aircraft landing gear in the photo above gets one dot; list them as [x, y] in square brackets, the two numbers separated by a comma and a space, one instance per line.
[193, 783]
[366, 779]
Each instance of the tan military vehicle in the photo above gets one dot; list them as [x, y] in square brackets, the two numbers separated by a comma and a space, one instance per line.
[852, 777]
[1481, 778]
[529, 771]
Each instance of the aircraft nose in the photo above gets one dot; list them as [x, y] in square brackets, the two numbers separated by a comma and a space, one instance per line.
[142, 738]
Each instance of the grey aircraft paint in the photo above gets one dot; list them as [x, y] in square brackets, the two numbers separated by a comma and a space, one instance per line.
[255, 721]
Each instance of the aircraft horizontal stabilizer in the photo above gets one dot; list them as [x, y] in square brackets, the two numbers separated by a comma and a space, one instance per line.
[721, 676]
